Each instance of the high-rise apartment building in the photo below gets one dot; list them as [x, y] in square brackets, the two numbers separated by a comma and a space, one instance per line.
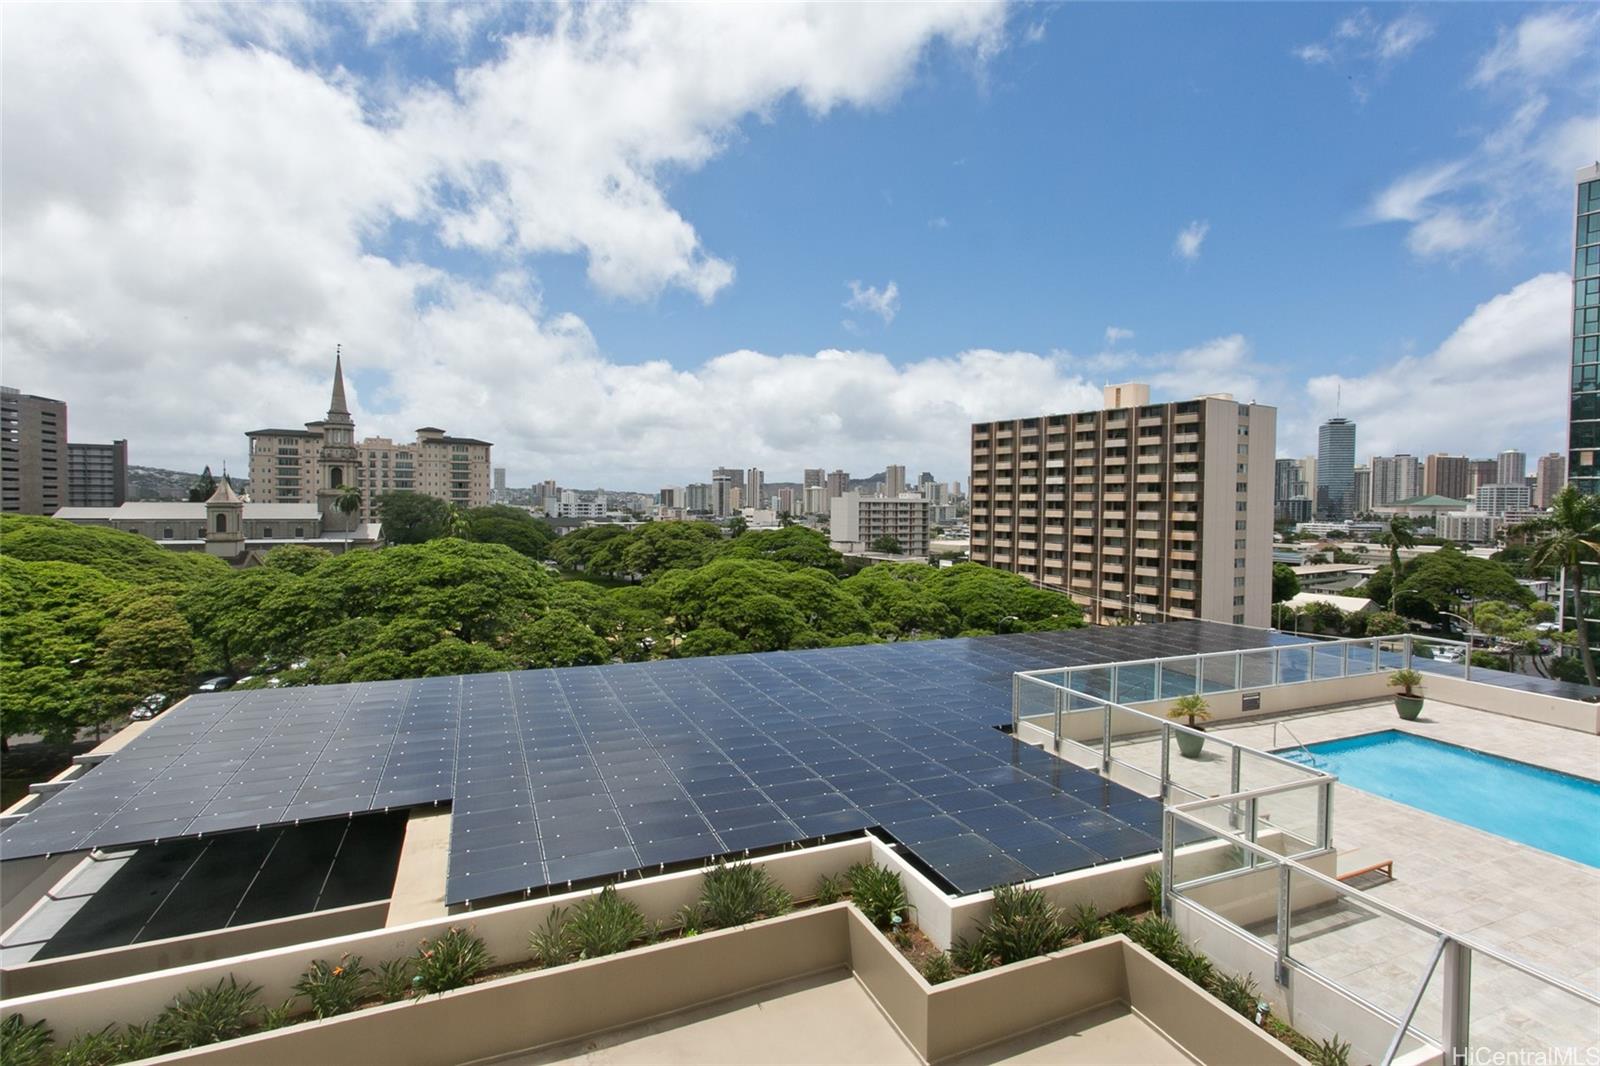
[814, 475]
[755, 488]
[97, 474]
[1583, 432]
[317, 464]
[1360, 490]
[1445, 475]
[499, 479]
[783, 501]
[700, 499]
[858, 523]
[722, 492]
[894, 482]
[1481, 472]
[1336, 466]
[1552, 477]
[1138, 510]
[1394, 478]
[1286, 482]
[33, 453]
[838, 483]
[1511, 467]
[816, 499]
[1500, 499]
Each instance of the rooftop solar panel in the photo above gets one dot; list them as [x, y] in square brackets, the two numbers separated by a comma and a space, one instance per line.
[561, 776]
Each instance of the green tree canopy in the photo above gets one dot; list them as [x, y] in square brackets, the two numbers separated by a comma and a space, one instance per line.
[1285, 582]
[412, 518]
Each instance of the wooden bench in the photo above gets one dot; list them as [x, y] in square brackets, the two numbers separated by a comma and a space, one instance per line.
[1386, 867]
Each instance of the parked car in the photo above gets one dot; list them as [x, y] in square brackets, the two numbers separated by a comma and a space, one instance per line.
[150, 706]
[1447, 655]
[215, 684]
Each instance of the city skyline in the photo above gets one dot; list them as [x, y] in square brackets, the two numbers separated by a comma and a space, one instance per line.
[489, 269]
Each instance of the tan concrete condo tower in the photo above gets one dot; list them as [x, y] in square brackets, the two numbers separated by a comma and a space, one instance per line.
[1141, 511]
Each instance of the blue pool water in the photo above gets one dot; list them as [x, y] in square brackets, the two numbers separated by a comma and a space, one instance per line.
[1544, 809]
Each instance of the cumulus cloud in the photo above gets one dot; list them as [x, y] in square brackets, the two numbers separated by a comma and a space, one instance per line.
[1517, 340]
[1187, 244]
[884, 302]
[1117, 333]
[198, 208]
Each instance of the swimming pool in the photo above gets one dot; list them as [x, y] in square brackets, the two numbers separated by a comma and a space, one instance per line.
[1544, 809]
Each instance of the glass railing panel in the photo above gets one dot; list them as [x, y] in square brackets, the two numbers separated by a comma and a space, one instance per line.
[1376, 958]
[1203, 852]
[1256, 669]
[1294, 664]
[1363, 658]
[1391, 655]
[1219, 673]
[1179, 677]
[1136, 683]
[1092, 680]
[1515, 1014]
[1036, 702]
[1327, 661]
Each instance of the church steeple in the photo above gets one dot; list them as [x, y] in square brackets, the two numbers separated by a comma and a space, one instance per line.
[338, 410]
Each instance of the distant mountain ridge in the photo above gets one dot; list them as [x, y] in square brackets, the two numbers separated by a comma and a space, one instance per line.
[155, 483]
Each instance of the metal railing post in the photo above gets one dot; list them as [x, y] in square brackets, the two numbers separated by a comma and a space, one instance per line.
[1407, 659]
[1114, 690]
[1169, 834]
[1155, 693]
[1238, 671]
[1061, 699]
[1016, 702]
[1166, 760]
[1233, 786]
[1281, 972]
[1252, 812]
[1105, 744]
[1456, 1029]
[1325, 815]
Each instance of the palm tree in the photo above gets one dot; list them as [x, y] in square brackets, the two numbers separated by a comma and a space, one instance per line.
[1564, 539]
[349, 500]
[458, 523]
[1398, 535]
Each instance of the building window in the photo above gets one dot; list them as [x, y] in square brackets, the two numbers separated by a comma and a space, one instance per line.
[166, 534]
[222, 522]
[267, 532]
[300, 532]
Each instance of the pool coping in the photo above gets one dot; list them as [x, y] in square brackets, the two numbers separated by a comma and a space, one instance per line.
[1443, 743]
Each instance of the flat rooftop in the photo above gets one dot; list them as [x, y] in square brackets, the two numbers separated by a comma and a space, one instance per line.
[562, 777]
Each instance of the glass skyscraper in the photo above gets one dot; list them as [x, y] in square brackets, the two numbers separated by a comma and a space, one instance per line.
[1583, 437]
[1336, 470]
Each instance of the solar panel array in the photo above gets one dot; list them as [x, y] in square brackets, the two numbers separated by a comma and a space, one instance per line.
[560, 776]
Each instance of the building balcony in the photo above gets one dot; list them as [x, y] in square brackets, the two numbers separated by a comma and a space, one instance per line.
[1185, 555]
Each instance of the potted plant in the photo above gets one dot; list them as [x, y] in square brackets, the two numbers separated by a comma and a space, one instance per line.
[1193, 707]
[1407, 701]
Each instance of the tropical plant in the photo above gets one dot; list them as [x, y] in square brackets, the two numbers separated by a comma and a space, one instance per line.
[1022, 924]
[1330, 1052]
[971, 955]
[392, 981]
[831, 889]
[333, 988]
[1193, 965]
[604, 924]
[349, 500]
[551, 943]
[137, 1042]
[1398, 534]
[24, 1043]
[1084, 922]
[1192, 706]
[1153, 888]
[1238, 991]
[1117, 922]
[738, 895]
[690, 919]
[1158, 936]
[203, 1016]
[449, 961]
[1405, 680]
[101, 1048]
[938, 968]
[879, 893]
[277, 1017]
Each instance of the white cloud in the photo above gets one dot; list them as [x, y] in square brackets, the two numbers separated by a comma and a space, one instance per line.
[884, 302]
[1117, 333]
[195, 213]
[1516, 342]
[1540, 47]
[938, 222]
[1362, 43]
[1187, 244]
[1407, 198]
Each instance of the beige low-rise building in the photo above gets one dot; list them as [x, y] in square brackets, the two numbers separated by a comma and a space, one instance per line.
[858, 522]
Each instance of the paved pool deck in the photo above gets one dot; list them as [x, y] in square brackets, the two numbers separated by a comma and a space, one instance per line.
[1527, 903]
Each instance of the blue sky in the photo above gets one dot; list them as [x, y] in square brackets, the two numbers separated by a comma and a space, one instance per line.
[550, 226]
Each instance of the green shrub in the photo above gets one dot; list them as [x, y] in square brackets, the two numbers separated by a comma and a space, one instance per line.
[1157, 936]
[90, 1049]
[204, 1016]
[551, 944]
[1023, 924]
[1152, 885]
[1085, 923]
[1117, 922]
[879, 893]
[691, 918]
[1331, 1052]
[137, 1042]
[738, 895]
[1239, 992]
[605, 924]
[830, 889]
[333, 989]
[450, 961]
[277, 1017]
[24, 1043]
[1193, 965]
[392, 981]
[971, 955]
[938, 968]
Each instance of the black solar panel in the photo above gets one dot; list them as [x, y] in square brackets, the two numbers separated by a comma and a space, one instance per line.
[560, 776]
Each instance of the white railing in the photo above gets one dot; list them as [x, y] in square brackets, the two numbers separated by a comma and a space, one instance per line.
[1546, 1009]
